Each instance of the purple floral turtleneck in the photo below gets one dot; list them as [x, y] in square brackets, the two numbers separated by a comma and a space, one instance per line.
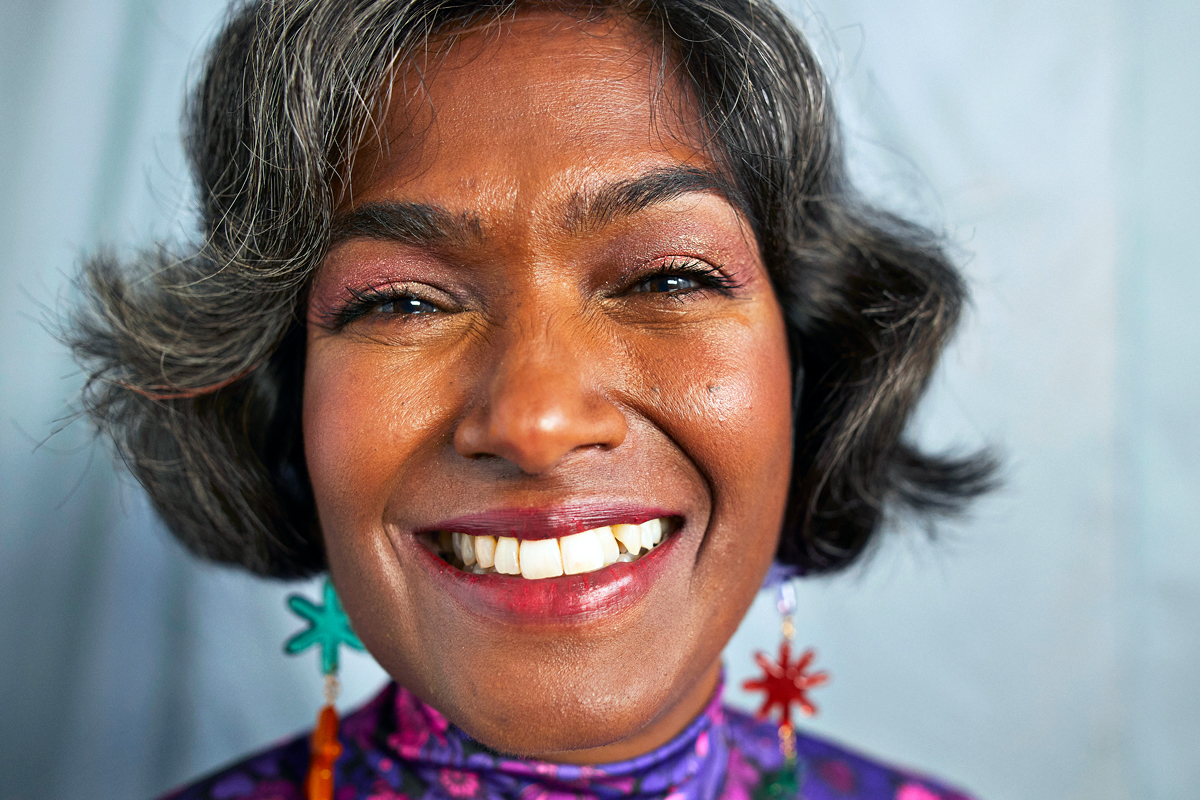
[398, 748]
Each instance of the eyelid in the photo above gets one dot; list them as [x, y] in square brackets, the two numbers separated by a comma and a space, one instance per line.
[712, 276]
[359, 302]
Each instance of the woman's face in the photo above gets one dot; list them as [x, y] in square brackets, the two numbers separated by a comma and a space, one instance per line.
[540, 318]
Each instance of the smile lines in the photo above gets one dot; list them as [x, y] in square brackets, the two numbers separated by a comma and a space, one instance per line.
[550, 558]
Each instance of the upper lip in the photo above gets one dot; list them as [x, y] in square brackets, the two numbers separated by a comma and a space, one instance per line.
[549, 522]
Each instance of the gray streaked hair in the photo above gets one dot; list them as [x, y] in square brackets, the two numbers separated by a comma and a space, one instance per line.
[195, 355]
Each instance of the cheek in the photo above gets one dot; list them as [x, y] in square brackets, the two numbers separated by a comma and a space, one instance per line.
[338, 430]
[731, 409]
[362, 419]
[725, 399]
[726, 403]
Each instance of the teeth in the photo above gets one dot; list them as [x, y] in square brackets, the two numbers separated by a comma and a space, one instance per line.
[651, 533]
[464, 547]
[468, 548]
[581, 553]
[575, 554]
[630, 536]
[610, 551]
[485, 551]
[541, 558]
[506, 556]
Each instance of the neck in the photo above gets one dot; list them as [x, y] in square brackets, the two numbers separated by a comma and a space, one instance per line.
[655, 734]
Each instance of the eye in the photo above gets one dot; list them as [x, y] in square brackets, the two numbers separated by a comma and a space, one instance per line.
[407, 306]
[399, 302]
[681, 278]
[666, 284]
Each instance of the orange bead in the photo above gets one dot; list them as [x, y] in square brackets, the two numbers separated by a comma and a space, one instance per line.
[326, 749]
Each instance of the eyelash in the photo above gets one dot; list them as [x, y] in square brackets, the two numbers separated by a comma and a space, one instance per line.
[364, 301]
[711, 278]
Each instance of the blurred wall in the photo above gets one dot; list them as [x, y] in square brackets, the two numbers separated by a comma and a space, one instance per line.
[1044, 648]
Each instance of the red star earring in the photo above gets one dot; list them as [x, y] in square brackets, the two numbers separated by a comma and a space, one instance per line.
[786, 682]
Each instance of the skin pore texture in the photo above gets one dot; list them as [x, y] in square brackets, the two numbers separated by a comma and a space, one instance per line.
[539, 311]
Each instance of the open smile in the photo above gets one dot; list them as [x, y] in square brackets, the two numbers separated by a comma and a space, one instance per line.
[551, 566]
[538, 559]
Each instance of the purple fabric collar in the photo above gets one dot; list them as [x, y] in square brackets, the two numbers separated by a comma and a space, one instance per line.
[398, 748]
[692, 766]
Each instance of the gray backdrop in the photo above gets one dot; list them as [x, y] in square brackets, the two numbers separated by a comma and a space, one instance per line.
[1046, 648]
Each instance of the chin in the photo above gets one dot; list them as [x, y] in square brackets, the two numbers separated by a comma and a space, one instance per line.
[559, 711]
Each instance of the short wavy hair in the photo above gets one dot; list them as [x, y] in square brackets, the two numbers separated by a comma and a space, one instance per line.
[195, 356]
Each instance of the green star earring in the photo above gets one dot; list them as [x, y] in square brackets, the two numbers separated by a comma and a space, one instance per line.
[329, 628]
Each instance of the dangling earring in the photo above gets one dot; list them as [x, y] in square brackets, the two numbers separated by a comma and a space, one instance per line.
[785, 682]
[329, 628]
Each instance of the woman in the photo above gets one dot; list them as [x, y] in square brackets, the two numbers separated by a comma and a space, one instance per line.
[483, 286]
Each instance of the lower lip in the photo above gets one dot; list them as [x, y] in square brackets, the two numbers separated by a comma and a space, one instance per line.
[567, 600]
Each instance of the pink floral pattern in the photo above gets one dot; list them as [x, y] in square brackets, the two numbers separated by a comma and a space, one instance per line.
[416, 723]
[458, 783]
[915, 791]
[741, 778]
[399, 748]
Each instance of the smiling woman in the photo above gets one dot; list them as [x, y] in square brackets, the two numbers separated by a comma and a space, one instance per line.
[545, 328]
[573, 327]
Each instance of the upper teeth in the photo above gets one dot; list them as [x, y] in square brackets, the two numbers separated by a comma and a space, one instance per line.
[549, 558]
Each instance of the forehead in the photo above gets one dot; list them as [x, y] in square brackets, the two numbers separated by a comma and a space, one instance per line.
[512, 113]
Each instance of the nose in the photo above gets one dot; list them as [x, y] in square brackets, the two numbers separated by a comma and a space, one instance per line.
[540, 401]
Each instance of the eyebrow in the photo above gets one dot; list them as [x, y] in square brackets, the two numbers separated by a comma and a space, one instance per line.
[421, 224]
[624, 198]
[430, 225]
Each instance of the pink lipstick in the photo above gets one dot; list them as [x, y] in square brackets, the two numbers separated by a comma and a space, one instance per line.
[567, 599]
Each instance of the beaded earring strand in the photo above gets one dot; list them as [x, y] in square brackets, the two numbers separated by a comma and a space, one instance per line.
[785, 682]
[329, 628]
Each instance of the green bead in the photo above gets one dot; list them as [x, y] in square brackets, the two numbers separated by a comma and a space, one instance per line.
[327, 627]
[783, 784]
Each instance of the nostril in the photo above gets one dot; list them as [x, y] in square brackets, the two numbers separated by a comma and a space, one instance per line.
[535, 428]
